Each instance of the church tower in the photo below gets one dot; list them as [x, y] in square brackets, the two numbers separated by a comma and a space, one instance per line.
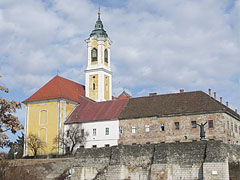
[98, 75]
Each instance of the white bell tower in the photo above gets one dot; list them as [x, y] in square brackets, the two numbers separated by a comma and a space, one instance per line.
[98, 75]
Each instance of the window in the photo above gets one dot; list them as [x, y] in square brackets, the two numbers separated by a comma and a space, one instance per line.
[236, 128]
[106, 55]
[134, 129]
[94, 146]
[120, 130]
[107, 131]
[147, 128]
[77, 116]
[176, 125]
[94, 54]
[228, 124]
[239, 129]
[161, 127]
[148, 143]
[106, 87]
[68, 132]
[210, 123]
[194, 124]
[93, 86]
[232, 126]
[43, 117]
[94, 132]
[82, 132]
[107, 145]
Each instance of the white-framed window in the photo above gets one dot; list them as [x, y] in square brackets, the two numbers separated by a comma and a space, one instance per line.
[107, 131]
[94, 131]
[120, 130]
[43, 117]
[133, 129]
[162, 127]
[147, 128]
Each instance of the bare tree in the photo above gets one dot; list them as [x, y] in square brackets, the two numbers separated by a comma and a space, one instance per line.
[35, 144]
[74, 136]
[8, 122]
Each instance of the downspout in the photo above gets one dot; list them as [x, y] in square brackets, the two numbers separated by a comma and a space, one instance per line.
[59, 114]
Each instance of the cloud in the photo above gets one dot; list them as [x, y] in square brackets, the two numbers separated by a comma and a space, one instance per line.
[158, 46]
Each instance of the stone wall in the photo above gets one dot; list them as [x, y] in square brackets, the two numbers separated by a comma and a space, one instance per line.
[164, 161]
[220, 131]
[211, 160]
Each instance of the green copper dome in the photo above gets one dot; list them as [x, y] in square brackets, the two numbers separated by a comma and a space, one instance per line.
[98, 30]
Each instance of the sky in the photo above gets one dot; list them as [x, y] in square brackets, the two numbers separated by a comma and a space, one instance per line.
[158, 46]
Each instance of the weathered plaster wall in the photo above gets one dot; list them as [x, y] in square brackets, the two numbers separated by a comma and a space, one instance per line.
[186, 133]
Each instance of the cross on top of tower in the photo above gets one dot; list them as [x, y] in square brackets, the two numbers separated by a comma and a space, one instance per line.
[99, 30]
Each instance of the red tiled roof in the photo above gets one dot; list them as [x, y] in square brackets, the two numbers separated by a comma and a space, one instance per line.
[58, 87]
[89, 110]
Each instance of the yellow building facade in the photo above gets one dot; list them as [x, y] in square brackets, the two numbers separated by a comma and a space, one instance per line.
[47, 109]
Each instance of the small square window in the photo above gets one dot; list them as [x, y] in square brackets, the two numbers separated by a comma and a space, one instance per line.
[94, 146]
[107, 131]
[120, 130]
[162, 127]
[82, 132]
[147, 128]
[134, 129]
[107, 145]
[176, 125]
[148, 143]
[210, 123]
[94, 132]
[194, 124]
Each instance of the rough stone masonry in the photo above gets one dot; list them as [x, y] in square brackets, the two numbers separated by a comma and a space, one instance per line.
[208, 160]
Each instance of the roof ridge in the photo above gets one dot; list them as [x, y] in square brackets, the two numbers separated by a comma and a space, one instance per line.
[168, 94]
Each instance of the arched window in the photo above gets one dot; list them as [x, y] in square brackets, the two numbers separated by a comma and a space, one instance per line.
[106, 55]
[43, 117]
[94, 54]
[43, 135]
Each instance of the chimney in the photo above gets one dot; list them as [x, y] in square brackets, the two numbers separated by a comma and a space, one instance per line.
[152, 94]
[215, 95]
[227, 103]
[181, 91]
[221, 100]
[209, 92]
[235, 110]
